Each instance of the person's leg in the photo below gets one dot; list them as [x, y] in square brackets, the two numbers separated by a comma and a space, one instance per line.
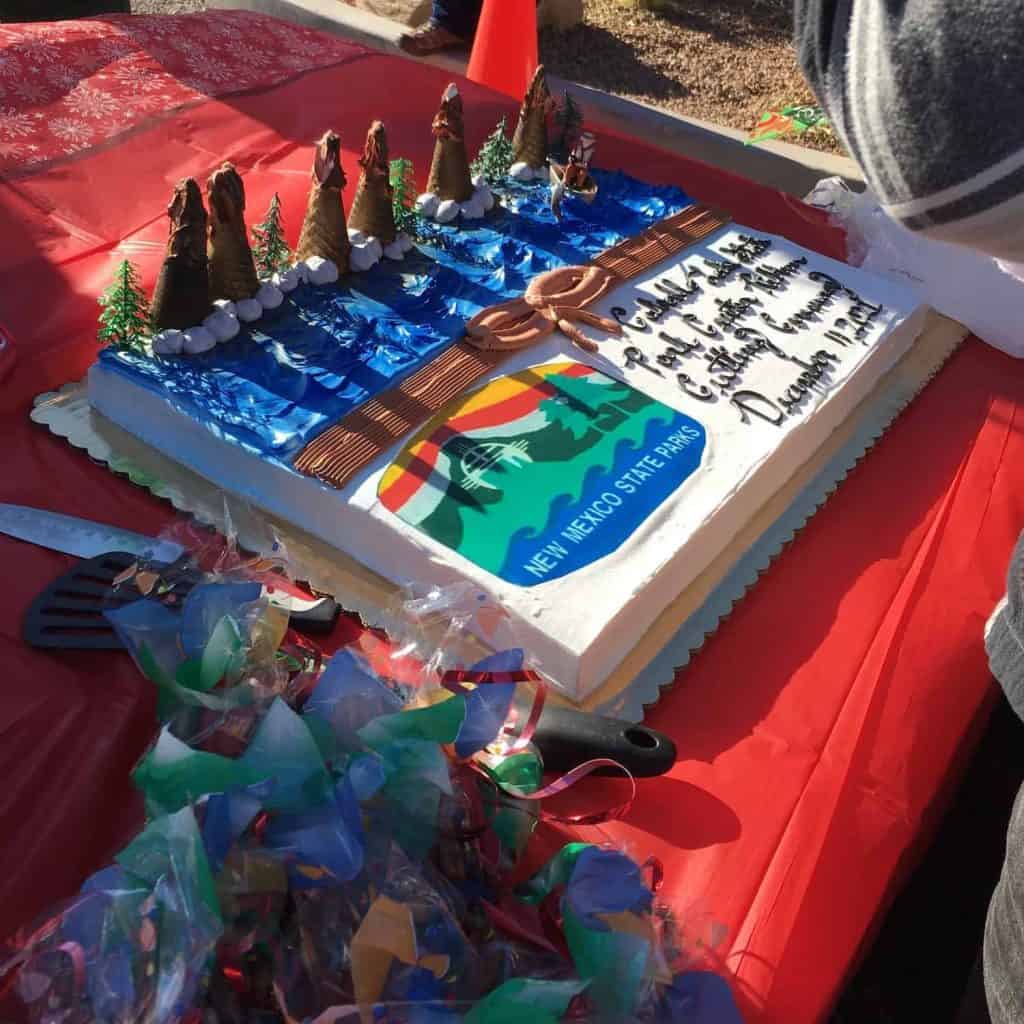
[452, 24]
[457, 16]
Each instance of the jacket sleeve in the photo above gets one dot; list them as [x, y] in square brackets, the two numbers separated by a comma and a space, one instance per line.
[927, 96]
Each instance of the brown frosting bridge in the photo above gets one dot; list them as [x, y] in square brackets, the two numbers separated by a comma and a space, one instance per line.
[555, 300]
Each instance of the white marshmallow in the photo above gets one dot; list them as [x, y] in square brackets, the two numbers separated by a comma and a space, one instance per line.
[485, 197]
[521, 172]
[427, 204]
[405, 241]
[472, 209]
[269, 296]
[355, 236]
[198, 339]
[248, 311]
[223, 326]
[394, 251]
[447, 212]
[168, 343]
[362, 257]
[479, 181]
[321, 271]
[226, 306]
[290, 279]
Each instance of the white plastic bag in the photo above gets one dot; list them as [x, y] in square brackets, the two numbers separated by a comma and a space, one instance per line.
[982, 293]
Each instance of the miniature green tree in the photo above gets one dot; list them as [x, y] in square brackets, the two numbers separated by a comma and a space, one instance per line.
[404, 196]
[569, 122]
[495, 156]
[269, 249]
[125, 317]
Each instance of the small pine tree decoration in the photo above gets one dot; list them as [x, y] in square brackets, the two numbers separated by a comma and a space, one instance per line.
[269, 249]
[568, 124]
[125, 318]
[495, 156]
[404, 196]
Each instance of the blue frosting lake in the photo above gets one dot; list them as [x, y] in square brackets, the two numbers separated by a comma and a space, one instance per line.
[329, 349]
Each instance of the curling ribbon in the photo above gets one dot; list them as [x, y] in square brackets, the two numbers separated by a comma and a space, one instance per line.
[456, 680]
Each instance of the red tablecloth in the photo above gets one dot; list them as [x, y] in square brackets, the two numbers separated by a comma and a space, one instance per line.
[818, 729]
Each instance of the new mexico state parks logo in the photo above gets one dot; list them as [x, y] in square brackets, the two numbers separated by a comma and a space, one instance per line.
[542, 472]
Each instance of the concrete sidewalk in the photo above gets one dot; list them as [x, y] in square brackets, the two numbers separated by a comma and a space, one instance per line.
[791, 169]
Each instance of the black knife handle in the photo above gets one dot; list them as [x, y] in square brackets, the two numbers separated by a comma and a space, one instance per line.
[566, 738]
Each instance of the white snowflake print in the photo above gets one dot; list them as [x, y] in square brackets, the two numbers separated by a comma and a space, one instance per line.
[10, 66]
[88, 101]
[138, 77]
[254, 56]
[77, 133]
[30, 90]
[13, 151]
[204, 66]
[38, 54]
[15, 125]
[300, 44]
[64, 78]
[115, 48]
[295, 62]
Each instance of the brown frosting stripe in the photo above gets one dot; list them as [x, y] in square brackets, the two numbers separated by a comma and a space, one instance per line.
[357, 439]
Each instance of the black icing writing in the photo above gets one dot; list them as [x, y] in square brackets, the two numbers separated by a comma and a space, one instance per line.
[772, 279]
[748, 248]
[680, 345]
[721, 270]
[622, 315]
[668, 287]
[635, 357]
[811, 310]
[812, 376]
[729, 366]
[753, 403]
[699, 391]
[862, 313]
[731, 311]
[708, 330]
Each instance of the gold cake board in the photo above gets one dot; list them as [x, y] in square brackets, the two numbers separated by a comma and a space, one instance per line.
[67, 414]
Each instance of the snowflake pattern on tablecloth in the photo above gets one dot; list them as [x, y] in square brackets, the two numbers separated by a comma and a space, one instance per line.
[89, 102]
[75, 132]
[68, 86]
[14, 124]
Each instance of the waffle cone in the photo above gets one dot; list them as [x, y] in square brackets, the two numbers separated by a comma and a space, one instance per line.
[449, 172]
[324, 231]
[232, 271]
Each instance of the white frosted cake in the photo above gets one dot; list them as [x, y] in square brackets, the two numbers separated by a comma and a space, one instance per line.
[582, 490]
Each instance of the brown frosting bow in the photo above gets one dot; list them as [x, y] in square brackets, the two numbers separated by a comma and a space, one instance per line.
[553, 300]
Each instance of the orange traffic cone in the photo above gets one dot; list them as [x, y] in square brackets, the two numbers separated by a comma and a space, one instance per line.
[504, 54]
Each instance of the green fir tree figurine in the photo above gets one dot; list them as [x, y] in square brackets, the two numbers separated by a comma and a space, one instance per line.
[495, 156]
[124, 321]
[569, 122]
[269, 249]
[404, 196]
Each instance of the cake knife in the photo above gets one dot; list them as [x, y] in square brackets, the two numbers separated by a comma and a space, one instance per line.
[85, 538]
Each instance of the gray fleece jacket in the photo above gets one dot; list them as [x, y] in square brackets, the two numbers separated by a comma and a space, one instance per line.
[928, 96]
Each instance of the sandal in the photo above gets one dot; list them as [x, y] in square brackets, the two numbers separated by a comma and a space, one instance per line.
[430, 38]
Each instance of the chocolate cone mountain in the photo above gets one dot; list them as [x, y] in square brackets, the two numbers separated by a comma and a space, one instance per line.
[232, 270]
[449, 172]
[324, 231]
[372, 209]
[182, 296]
[530, 141]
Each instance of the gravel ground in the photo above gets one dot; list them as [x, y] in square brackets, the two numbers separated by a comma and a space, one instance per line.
[727, 61]
[167, 6]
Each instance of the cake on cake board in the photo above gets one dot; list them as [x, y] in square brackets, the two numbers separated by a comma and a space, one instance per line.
[640, 361]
